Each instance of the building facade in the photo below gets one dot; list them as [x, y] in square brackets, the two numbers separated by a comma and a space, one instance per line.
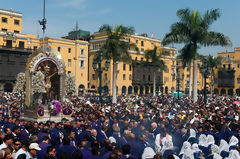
[227, 80]
[133, 77]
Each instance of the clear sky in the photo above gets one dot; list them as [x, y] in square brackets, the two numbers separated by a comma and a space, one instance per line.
[146, 16]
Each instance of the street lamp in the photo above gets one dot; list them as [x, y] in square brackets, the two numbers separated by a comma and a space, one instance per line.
[97, 66]
[178, 81]
[205, 71]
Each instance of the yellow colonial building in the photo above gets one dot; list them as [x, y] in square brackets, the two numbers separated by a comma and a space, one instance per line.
[17, 46]
[132, 77]
[228, 75]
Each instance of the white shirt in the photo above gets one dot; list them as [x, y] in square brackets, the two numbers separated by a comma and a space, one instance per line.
[21, 151]
[3, 146]
[157, 141]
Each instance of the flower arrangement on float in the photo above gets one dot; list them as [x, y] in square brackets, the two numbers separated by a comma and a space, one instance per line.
[54, 107]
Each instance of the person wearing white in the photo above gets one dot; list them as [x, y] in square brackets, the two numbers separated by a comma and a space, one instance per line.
[223, 146]
[234, 154]
[210, 140]
[148, 153]
[233, 141]
[160, 140]
[203, 140]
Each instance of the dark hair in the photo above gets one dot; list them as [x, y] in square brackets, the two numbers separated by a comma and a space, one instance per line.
[8, 137]
[66, 141]
[50, 148]
[22, 156]
[64, 155]
[126, 149]
[45, 138]
[77, 155]
[25, 143]
[15, 128]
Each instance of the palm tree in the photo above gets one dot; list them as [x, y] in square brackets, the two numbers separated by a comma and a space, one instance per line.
[156, 61]
[212, 64]
[116, 48]
[193, 31]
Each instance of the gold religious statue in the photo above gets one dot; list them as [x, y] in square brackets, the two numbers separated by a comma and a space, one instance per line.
[48, 79]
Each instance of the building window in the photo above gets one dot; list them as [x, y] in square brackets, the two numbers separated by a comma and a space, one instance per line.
[69, 50]
[188, 75]
[16, 31]
[142, 49]
[124, 77]
[141, 58]
[59, 49]
[16, 22]
[81, 63]
[144, 78]
[81, 51]
[21, 44]
[69, 62]
[238, 66]
[105, 76]
[149, 78]
[4, 20]
[136, 41]
[229, 66]
[93, 76]
[3, 29]
[34, 48]
[142, 43]
[124, 67]
[238, 80]
[130, 77]
[69, 73]
[130, 67]
[136, 58]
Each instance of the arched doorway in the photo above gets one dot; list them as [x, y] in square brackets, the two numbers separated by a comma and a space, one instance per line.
[81, 89]
[93, 87]
[216, 91]
[141, 90]
[166, 90]
[223, 92]
[135, 89]
[230, 92]
[151, 90]
[130, 90]
[162, 89]
[238, 92]
[105, 89]
[8, 87]
[146, 90]
[124, 89]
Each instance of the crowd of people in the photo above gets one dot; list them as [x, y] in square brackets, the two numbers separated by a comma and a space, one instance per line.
[160, 127]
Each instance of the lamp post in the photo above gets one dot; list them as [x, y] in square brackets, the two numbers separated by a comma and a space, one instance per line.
[97, 66]
[178, 81]
[204, 69]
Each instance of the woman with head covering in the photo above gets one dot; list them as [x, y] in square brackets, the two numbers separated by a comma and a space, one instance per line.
[148, 153]
[196, 151]
[202, 143]
[214, 152]
[224, 148]
[233, 154]
[167, 148]
[233, 143]
[186, 149]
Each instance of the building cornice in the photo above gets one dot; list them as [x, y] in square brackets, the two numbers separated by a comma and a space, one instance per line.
[65, 40]
[10, 13]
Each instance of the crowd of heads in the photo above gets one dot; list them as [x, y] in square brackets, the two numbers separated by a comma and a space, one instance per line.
[136, 127]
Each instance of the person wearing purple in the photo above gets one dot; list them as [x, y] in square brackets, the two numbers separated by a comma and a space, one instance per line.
[43, 145]
[66, 147]
[85, 151]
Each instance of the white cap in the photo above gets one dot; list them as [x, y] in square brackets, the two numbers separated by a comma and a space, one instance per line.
[34, 146]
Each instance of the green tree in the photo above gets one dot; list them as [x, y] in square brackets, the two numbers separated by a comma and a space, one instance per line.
[193, 31]
[155, 59]
[116, 48]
